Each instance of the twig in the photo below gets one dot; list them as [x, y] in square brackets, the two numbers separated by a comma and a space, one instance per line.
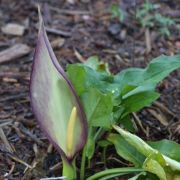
[8, 122]
[30, 135]
[139, 123]
[163, 108]
[11, 170]
[18, 96]
[148, 40]
[69, 12]
[54, 178]
[79, 56]
[5, 141]
[58, 32]
[159, 116]
[19, 160]
[56, 166]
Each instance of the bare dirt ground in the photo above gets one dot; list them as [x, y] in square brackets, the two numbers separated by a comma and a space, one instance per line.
[76, 32]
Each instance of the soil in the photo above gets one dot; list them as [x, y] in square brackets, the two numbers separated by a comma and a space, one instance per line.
[78, 31]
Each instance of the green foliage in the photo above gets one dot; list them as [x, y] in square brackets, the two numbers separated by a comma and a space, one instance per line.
[98, 107]
[107, 100]
[117, 12]
[149, 17]
[115, 172]
[155, 162]
[123, 93]
[125, 150]
[168, 148]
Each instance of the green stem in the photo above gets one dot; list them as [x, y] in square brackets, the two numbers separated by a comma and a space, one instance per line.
[114, 171]
[99, 134]
[104, 155]
[69, 169]
[83, 162]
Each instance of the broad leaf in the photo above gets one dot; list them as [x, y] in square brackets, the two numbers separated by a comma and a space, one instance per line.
[168, 148]
[156, 71]
[125, 150]
[84, 77]
[137, 101]
[146, 149]
[54, 101]
[154, 167]
[98, 108]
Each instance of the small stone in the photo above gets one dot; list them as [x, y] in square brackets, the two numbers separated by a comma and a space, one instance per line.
[114, 29]
[13, 29]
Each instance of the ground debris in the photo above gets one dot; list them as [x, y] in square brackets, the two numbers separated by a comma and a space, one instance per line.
[14, 52]
[13, 29]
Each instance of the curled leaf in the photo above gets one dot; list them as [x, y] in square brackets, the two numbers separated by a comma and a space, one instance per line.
[54, 101]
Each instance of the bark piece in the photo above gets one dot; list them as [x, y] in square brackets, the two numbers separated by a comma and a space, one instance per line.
[13, 29]
[14, 52]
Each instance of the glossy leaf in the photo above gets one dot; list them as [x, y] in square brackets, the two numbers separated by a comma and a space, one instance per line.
[139, 100]
[146, 149]
[125, 150]
[98, 108]
[168, 148]
[154, 167]
[54, 101]
[156, 71]
[85, 76]
[115, 171]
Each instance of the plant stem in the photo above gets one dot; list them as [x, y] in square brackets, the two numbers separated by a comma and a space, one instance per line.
[83, 162]
[69, 169]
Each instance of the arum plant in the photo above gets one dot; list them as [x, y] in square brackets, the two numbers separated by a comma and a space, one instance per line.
[107, 100]
[56, 105]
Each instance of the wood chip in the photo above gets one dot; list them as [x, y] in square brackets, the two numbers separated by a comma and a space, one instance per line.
[79, 56]
[13, 29]
[163, 108]
[148, 40]
[5, 140]
[9, 80]
[57, 43]
[159, 116]
[58, 32]
[14, 52]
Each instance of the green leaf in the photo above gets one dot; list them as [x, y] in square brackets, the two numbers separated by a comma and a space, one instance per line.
[137, 176]
[94, 63]
[98, 108]
[90, 146]
[137, 101]
[154, 167]
[125, 150]
[128, 123]
[145, 149]
[168, 148]
[54, 101]
[104, 143]
[84, 77]
[156, 71]
[107, 172]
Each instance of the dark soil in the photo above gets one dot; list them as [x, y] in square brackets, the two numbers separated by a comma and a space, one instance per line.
[78, 31]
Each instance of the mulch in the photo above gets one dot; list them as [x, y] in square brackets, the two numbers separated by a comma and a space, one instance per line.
[77, 31]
